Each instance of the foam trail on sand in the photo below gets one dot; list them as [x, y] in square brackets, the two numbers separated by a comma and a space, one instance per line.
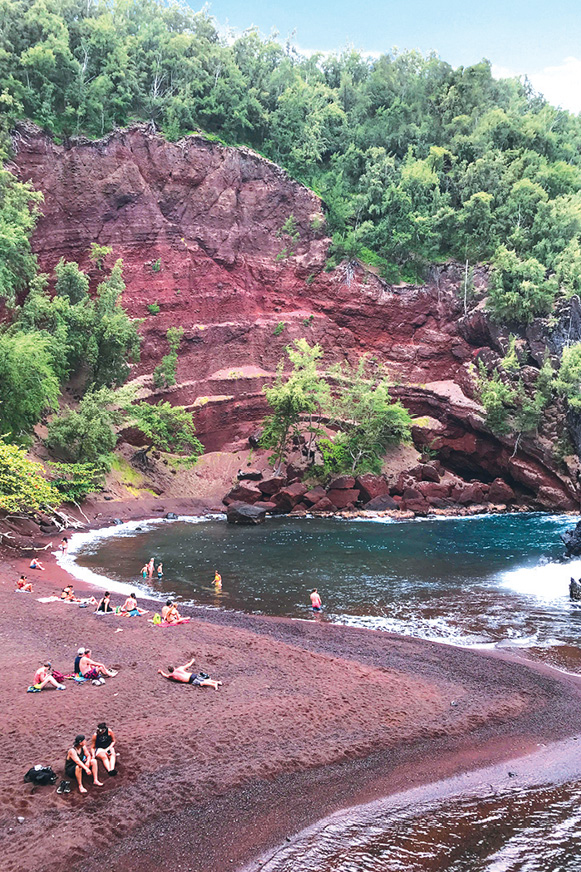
[79, 541]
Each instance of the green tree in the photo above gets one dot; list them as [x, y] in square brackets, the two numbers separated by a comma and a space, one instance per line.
[28, 384]
[164, 374]
[115, 334]
[165, 428]
[498, 399]
[19, 205]
[71, 282]
[303, 393]
[568, 380]
[23, 486]
[519, 290]
[88, 434]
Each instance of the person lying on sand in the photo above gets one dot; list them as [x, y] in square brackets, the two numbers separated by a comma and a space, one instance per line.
[103, 747]
[170, 614]
[93, 670]
[23, 584]
[105, 604]
[36, 564]
[68, 596]
[43, 678]
[181, 674]
[130, 607]
[79, 760]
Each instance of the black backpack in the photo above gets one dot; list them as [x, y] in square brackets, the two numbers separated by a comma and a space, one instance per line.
[40, 775]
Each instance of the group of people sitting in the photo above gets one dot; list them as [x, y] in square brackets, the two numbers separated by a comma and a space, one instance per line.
[129, 607]
[84, 758]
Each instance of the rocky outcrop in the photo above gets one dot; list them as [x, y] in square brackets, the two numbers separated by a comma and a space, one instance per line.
[200, 229]
[242, 513]
[572, 541]
[575, 590]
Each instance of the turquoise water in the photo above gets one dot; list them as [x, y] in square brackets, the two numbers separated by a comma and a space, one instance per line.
[495, 580]
[472, 581]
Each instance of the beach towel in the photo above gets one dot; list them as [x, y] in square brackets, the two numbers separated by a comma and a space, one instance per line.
[48, 599]
[166, 624]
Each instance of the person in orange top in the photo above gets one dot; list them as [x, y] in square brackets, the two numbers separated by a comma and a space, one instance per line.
[23, 584]
[43, 678]
[316, 603]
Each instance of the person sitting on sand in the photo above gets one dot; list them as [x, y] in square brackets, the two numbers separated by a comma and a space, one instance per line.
[77, 667]
[36, 564]
[43, 678]
[316, 603]
[103, 747]
[217, 579]
[79, 760]
[93, 670]
[131, 608]
[170, 614]
[68, 594]
[23, 584]
[181, 674]
[104, 605]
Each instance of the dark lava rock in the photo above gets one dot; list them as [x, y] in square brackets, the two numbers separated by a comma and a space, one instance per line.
[242, 513]
[272, 485]
[171, 516]
[381, 503]
[572, 541]
[575, 590]
[371, 486]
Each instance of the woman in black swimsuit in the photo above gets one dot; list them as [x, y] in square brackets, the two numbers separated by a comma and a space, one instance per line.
[79, 760]
[104, 604]
[103, 747]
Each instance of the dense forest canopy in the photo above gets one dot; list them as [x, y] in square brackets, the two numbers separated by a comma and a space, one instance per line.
[415, 161]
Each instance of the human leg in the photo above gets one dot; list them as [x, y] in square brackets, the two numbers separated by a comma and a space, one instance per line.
[79, 777]
[94, 767]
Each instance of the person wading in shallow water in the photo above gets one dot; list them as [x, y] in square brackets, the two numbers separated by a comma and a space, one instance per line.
[316, 603]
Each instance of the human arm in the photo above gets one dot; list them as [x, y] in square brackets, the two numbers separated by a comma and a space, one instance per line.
[161, 672]
[75, 757]
[189, 663]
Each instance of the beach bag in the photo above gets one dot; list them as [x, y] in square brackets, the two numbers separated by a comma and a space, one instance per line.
[40, 775]
[156, 619]
[58, 676]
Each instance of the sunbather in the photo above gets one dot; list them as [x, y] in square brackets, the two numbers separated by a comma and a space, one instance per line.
[103, 747]
[105, 603]
[36, 564]
[170, 614]
[130, 607]
[79, 760]
[23, 584]
[43, 678]
[184, 676]
[93, 670]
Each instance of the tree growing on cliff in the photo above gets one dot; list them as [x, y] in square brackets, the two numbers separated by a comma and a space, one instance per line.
[568, 380]
[23, 486]
[115, 334]
[164, 374]
[88, 434]
[19, 206]
[165, 428]
[28, 384]
[302, 393]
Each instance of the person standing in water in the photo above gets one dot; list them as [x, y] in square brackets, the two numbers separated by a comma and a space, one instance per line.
[217, 579]
[160, 570]
[316, 603]
[150, 568]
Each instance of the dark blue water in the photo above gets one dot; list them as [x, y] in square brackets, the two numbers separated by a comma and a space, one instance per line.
[468, 581]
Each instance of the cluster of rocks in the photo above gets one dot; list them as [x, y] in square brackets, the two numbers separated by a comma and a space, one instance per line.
[424, 489]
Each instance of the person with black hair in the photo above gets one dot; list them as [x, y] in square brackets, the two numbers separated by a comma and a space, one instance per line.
[103, 747]
[79, 760]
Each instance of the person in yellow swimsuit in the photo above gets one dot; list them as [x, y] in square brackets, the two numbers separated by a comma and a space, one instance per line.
[217, 579]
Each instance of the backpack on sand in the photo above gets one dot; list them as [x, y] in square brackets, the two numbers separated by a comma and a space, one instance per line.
[40, 775]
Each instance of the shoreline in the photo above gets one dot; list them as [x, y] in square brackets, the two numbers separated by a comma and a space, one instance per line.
[312, 718]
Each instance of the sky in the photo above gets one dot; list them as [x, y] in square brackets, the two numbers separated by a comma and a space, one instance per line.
[539, 39]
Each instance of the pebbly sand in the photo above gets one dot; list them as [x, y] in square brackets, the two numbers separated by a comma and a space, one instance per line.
[311, 718]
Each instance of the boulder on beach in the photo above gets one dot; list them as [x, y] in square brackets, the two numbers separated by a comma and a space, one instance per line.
[242, 513]
[575, 590]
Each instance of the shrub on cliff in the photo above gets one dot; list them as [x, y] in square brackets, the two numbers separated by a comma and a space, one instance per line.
[23, 486]
[87, 434]
[519, 290]
[165, 428]
[568, 380]
[164, 374]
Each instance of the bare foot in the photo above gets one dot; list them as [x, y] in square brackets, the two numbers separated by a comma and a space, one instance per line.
[82, 789]
[98, 783]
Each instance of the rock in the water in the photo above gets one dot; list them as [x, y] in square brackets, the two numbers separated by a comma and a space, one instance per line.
[572, 541]
[171, 516]
[242, 513]
[575, 590]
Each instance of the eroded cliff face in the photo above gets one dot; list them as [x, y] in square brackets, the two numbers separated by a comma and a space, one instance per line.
[199, 227]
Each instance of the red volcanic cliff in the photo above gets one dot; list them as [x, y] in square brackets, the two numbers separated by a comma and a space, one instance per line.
[198, 226]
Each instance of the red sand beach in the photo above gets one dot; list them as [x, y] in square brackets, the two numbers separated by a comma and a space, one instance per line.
[311, 718]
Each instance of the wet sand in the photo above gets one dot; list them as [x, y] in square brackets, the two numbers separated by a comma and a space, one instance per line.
[311, 718]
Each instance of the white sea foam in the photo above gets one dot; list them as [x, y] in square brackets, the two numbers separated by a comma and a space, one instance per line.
[548, 582]
[82, 541]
